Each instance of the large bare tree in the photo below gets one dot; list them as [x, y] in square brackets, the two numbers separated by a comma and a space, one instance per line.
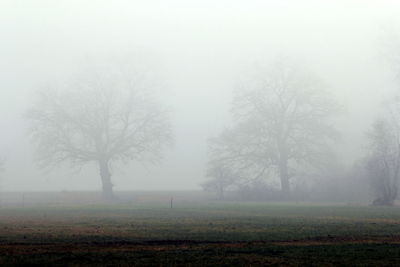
[383, 158]
[281, 124]
[104, 115]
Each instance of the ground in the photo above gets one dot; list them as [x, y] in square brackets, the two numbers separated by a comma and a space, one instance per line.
[203, 234]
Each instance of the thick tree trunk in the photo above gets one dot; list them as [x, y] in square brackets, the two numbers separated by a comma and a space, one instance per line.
[105, 175]
[283, 167]
[388, 194]
[389, 191]
[284, 176]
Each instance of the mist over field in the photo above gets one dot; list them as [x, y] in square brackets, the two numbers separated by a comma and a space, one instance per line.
[199, 133]
[196, 57]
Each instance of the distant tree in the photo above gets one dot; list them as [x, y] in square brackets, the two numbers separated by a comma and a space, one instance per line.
[383, 160]
[220, 180]
[1, 174]
[281, 124]
[104, 116]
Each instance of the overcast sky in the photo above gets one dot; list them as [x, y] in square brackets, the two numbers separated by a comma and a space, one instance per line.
[199, 50]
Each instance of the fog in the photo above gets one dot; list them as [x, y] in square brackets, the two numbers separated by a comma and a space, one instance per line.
[197, 53]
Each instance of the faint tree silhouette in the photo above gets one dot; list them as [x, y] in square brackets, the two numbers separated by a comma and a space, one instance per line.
[103, 116]
[281, 123]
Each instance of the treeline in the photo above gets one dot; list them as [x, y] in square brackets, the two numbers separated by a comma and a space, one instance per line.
[280, 146]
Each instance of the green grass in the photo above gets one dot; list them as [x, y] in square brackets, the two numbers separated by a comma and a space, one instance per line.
[226, 234]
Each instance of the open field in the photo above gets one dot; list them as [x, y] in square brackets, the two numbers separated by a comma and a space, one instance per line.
[225, 234]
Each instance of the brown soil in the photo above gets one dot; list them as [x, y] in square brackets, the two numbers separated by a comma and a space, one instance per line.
[171, 245]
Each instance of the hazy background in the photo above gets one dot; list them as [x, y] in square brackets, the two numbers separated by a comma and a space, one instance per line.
[198, 50]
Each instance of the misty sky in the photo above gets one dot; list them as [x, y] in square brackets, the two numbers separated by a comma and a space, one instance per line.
[199, 51]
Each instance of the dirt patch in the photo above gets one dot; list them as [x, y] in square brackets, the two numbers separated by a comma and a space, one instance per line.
[337, 240]
[174, 245]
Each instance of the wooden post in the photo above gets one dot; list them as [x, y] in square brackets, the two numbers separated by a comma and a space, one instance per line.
[172, 199]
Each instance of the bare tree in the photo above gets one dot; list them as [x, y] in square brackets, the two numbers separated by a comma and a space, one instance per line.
[103, 116]
[383, 159]
[281, 124]
[220, 180]
[1, 167]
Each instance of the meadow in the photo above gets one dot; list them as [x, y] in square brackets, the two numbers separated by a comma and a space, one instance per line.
[203, 234]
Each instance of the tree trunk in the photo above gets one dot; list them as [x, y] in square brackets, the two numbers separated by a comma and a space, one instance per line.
[106, 179]
[284, 176]
[283, 167]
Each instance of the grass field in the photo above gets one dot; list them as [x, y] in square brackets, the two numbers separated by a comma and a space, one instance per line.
[214, 234]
